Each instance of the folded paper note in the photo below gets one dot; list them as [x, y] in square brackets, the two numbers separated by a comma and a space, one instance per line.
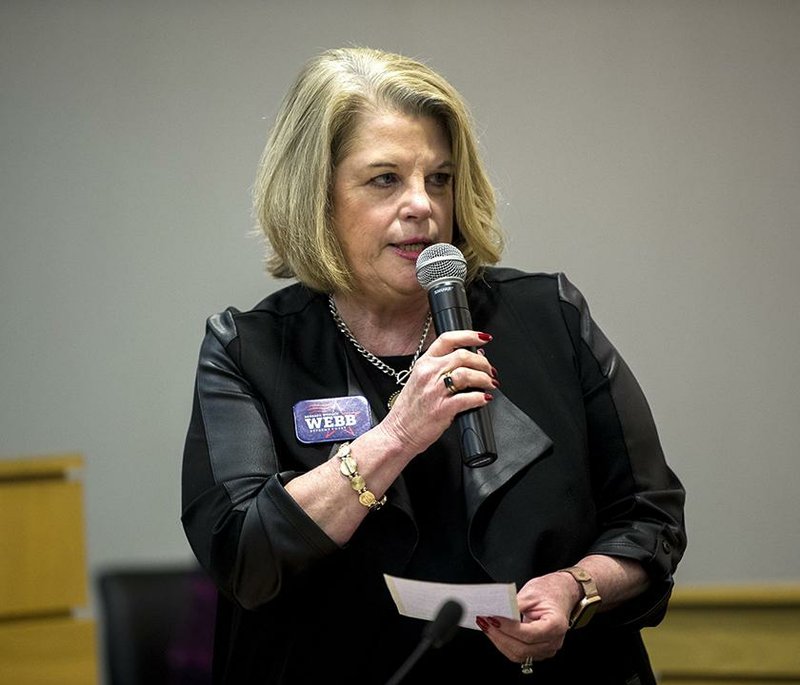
[422, 599]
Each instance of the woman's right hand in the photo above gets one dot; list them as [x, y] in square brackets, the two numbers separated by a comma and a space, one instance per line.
[421, 413]
[426, 407]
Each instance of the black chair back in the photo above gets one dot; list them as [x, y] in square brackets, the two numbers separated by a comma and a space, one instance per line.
[157, 625]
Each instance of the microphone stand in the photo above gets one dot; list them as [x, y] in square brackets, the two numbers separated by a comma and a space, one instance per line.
[436, 633]
[409, 663]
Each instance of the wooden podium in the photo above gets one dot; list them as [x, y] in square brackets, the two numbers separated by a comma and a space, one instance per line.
[43, 576]
[729, 635]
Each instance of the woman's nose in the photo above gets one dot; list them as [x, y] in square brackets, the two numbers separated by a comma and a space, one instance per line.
[417, 203]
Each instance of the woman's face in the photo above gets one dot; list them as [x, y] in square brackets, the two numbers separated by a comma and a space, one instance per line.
[392, 197]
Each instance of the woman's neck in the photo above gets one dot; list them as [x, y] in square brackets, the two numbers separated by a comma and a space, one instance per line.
[385, 330]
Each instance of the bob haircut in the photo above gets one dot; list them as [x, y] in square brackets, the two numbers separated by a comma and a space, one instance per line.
[314, 126]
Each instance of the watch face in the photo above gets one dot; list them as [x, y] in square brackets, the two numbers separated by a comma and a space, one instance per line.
[587, 608]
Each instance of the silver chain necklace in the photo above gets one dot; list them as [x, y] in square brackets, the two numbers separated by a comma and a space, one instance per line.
[401, 376]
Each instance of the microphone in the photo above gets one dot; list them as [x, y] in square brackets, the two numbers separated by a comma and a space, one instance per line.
[436, 633]
[441, 270]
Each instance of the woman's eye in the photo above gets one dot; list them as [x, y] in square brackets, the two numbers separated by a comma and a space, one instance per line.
[384, 180]
[440, 179]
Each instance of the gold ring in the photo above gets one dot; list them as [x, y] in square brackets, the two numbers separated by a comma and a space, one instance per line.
[449, 383]
[527, 666]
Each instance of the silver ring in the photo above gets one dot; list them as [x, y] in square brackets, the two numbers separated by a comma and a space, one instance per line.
[449, 383]
[527, 666]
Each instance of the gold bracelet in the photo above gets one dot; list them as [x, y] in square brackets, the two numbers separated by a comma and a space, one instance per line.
[349, 469]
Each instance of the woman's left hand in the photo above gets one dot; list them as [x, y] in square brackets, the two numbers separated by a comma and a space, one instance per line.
[545, 604]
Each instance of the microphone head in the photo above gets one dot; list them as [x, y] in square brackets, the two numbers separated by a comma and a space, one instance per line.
[445, 625]
[440, 261]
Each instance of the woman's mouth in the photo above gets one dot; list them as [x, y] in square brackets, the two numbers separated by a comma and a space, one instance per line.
[415, 248]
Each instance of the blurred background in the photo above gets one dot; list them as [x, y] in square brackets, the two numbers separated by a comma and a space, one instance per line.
[650, 150]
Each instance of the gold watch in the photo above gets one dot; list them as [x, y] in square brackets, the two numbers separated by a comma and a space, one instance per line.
[589, 604]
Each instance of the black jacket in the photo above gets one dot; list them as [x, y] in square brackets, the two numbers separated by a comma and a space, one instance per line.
[580, 470]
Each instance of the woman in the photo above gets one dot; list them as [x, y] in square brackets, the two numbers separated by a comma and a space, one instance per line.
[371, 159]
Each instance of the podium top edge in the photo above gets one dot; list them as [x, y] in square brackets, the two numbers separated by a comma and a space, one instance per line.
[738, 595]
[39, 466]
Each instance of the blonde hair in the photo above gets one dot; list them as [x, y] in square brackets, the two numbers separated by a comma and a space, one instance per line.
[311, 134]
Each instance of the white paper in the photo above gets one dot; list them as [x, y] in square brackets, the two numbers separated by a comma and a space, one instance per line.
[422, 599]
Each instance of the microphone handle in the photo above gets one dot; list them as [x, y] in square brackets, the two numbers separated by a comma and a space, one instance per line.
[477, 438]
[450, 312]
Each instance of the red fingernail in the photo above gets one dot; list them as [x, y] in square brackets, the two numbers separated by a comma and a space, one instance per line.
[487, 397]
[495, 383]
[494, 621]
[494, 372]
[482, 624]
[485, 336]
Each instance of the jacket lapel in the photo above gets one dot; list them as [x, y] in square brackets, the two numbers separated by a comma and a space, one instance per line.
[520, 442]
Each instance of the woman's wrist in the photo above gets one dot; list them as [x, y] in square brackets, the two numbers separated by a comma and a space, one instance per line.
[393, 446]
[573, 589]
[618, 579]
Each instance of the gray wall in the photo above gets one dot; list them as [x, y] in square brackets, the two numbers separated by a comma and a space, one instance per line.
[651, 150]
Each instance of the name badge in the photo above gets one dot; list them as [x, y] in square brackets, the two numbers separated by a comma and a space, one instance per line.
[331, 419]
